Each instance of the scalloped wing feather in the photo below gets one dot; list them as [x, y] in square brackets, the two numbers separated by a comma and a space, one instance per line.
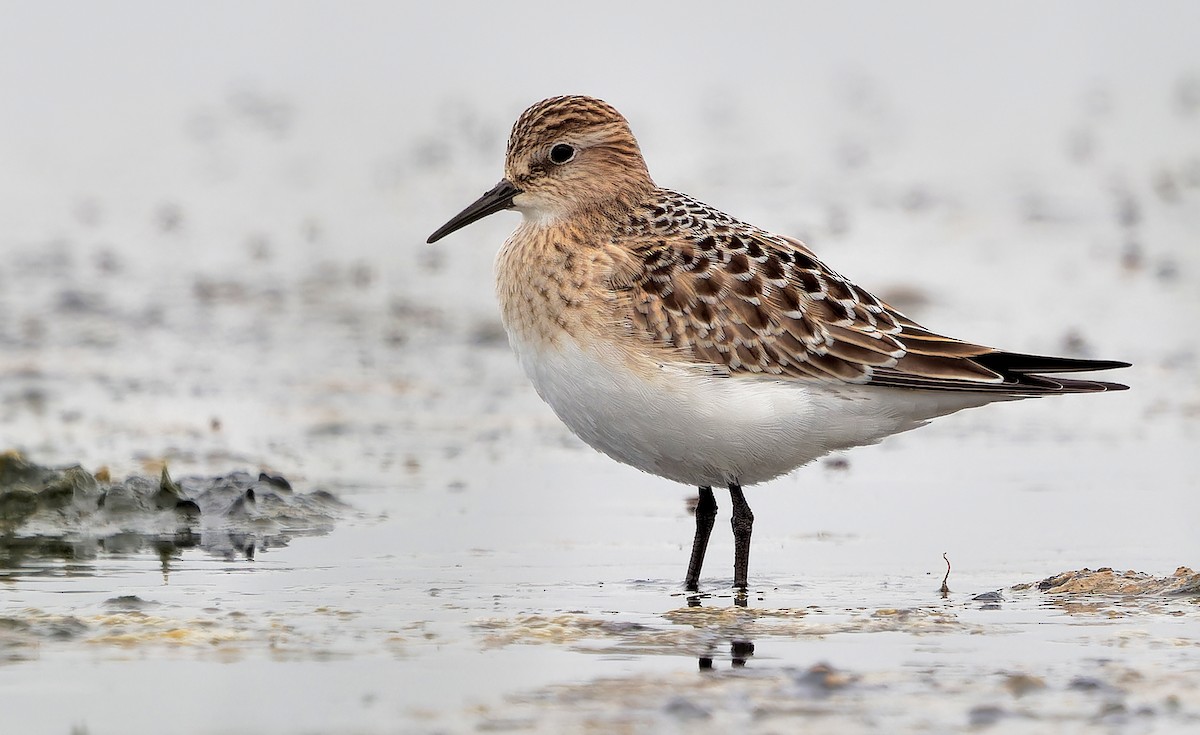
[733, 296]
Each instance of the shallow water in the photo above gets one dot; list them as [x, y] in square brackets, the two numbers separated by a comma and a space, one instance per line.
[374, 625]
[220, 267]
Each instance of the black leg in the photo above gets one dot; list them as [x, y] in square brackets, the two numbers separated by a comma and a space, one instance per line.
[706, 513]
[743, 524]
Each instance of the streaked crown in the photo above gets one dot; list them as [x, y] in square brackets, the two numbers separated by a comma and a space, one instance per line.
[571, 153]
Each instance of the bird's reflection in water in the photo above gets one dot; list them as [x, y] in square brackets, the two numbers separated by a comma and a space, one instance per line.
[740, 649]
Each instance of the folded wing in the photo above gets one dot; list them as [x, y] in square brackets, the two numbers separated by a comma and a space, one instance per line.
[748, 302]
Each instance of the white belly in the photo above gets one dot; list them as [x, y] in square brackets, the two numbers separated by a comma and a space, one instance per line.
[704, 430]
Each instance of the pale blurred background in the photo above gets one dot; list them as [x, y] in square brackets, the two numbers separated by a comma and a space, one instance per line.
[985, 167]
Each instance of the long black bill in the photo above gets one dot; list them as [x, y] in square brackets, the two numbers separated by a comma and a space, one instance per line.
[500, 197]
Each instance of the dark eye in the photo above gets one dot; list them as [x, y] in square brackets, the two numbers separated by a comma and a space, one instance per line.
[562, 153]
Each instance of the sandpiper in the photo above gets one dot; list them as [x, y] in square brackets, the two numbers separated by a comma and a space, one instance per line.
[702, 349]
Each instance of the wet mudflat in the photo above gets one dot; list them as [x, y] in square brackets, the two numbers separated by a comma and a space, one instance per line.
[380, 626]
[230, 281]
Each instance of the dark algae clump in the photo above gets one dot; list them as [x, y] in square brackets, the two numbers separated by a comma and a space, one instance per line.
[68, 513]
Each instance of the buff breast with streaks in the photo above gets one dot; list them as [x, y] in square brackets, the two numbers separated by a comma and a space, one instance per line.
[686, 343]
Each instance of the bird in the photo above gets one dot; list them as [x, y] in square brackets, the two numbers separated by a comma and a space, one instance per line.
[694, 346]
